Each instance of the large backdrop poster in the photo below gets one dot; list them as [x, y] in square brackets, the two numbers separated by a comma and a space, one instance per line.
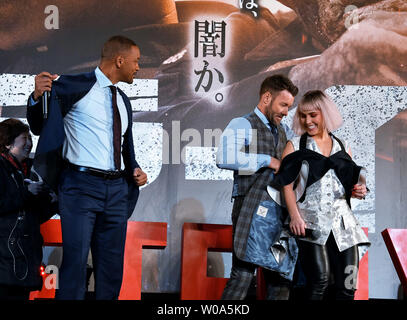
[202, 63]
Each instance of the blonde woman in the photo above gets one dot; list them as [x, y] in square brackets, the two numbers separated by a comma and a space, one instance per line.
[324, 203]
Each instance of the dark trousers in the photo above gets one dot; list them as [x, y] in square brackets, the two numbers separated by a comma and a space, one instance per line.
[318, 262]
[14, 293]
[93, 216]
[242, 273]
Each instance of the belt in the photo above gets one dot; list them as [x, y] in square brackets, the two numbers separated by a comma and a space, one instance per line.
[108, 175]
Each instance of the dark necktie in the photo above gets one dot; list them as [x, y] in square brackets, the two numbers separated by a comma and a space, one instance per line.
[117, 129]
[274, 131]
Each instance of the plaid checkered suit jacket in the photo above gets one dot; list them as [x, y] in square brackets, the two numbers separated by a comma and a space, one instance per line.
[253, 187]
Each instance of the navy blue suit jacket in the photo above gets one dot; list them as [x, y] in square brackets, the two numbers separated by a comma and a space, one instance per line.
[48, 162]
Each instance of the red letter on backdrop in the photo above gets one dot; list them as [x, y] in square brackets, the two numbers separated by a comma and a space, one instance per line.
[197, 238]
[140, 235]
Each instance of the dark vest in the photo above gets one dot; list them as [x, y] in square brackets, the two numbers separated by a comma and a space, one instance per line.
[263, 143]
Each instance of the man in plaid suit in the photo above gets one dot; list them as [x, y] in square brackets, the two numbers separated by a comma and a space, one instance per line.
[252, 146]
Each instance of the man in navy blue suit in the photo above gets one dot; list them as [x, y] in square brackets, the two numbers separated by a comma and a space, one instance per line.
[86, 153]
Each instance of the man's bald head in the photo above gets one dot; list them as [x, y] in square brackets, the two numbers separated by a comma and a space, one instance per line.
[116, 45]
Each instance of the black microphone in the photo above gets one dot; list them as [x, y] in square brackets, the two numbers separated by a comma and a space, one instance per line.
[309, 233]
[45, 97]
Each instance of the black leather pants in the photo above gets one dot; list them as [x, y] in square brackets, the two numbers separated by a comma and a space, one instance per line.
[320, 261]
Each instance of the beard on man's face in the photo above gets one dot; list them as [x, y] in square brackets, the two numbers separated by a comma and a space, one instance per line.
[270, 114]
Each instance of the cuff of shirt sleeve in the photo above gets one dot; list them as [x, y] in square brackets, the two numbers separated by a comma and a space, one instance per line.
[31, 100]
[263, 160]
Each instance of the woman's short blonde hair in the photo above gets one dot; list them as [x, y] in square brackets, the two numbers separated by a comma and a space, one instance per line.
[318, 100]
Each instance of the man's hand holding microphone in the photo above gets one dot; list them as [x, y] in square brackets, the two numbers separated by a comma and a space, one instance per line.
[43, 83]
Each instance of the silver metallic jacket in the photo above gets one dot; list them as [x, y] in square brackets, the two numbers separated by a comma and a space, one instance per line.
[325, 208]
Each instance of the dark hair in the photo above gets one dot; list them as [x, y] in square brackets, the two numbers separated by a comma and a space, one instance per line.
[10, 129]
[278, 83]
[116, 45]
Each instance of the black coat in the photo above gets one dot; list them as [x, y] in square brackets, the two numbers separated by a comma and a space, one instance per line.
[345, 168]
[21, 214]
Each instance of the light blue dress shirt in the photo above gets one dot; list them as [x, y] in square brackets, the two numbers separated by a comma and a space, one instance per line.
[89, 127]
[237, 134]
